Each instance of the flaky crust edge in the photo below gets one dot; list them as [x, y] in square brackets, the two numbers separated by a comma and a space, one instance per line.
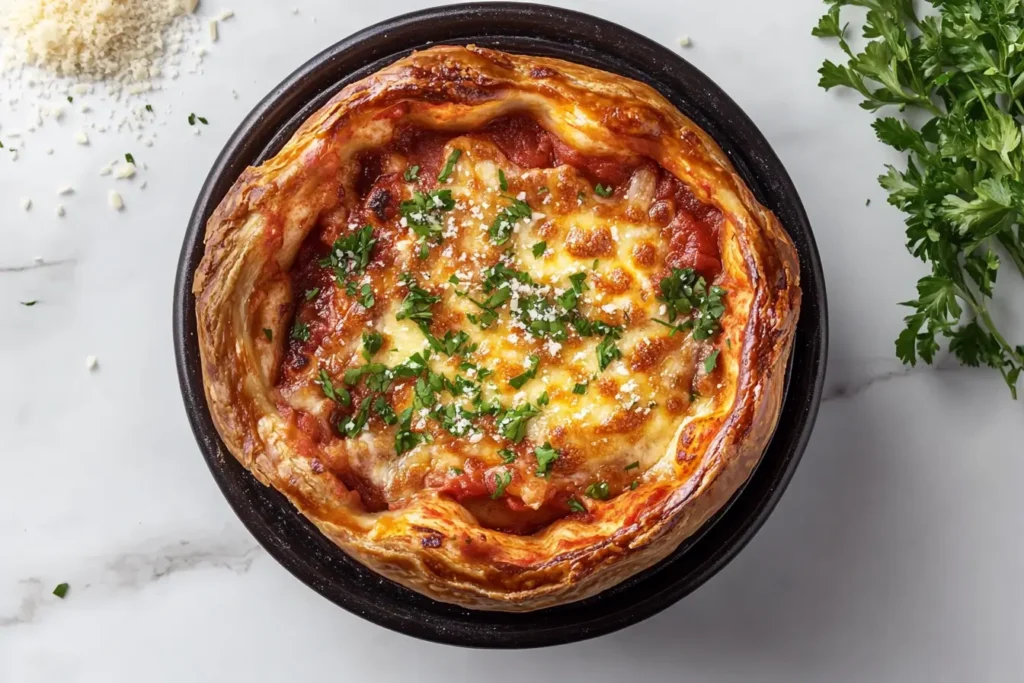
[243, 248]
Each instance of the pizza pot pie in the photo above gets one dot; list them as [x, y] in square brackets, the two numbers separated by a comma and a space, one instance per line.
[506, 329]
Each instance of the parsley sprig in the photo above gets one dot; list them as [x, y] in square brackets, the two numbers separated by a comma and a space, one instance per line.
[963, 190]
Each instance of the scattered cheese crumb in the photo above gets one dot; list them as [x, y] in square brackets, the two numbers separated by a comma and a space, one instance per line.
[26, 203]
[225, 14]
[49, 150]
[125, 170]
[213, 30]
[115, 201]
[684, 41]
[60, 211]
[91, 363]
[67, 189]
[81, 138]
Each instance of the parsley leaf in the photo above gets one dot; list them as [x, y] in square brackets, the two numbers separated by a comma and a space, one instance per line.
[349, 255]
[546, 456]
[424, 215]
[507, 456]
[711, 361]
[633, 465]
[268, 333]
[449, 166]
[501, 229]
[607, 351]
[502, 181]
[300, 331]
[61, 590]
[311, 293]
[512, 423]
[539, 249]
[518, 381]
[575, 505]
[338, 394]
[501, 480]
[598, 490]
[580, 388]
[372, 341]
[962, 192]
[603, 191]
[412, 174]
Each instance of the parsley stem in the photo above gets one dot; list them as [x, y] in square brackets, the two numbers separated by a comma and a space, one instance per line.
[1014, 249]
[981, 312]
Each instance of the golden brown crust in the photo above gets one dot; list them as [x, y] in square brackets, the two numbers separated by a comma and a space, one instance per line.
[432, 544]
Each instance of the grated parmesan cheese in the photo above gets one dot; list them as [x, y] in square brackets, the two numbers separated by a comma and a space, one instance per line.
[98, 39]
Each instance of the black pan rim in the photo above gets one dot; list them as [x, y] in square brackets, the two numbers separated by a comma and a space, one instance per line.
[522, 27]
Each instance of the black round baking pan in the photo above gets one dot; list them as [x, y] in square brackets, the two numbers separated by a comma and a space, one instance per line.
[539, 30]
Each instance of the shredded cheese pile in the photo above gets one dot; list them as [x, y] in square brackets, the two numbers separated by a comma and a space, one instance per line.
[99, 39]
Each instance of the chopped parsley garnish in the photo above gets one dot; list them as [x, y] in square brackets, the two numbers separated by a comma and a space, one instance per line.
[412, 174]
[501, 480]
[685, 293]
[149, 108]
[501, 229]
[372, 341]
[351, 254]
[580, 197]
[33, 302]
[598, 490]
[512, 423]
[607, 351]
[405, 438]
[576, 506]
[711, 361]
[632, 487]
[518, 381]
[539, 249]
[338, 394]
[543, 190]
[580, 388]
[192, 118]
[602, 190]
[456, 344]
[129, 158]
[202, 120]
[502, 181]
[546, 456]
[417, 304]
[423, 213]
[455, 470]
[62, 588]
[633, 465]
[449, 166]
[268, 333]
[543, 399]
[300, 331]
[366, 297]
[354, 424]
[71, 99]
[311, 293]
[507, 456]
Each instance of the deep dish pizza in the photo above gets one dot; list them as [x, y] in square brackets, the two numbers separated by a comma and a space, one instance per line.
[507, 329]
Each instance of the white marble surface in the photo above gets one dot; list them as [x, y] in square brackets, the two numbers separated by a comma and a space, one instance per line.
[896, 554]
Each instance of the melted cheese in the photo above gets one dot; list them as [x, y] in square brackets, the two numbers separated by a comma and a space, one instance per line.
[631, 410]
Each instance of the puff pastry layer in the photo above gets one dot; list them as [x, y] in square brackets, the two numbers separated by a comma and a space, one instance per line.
[506, 329]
